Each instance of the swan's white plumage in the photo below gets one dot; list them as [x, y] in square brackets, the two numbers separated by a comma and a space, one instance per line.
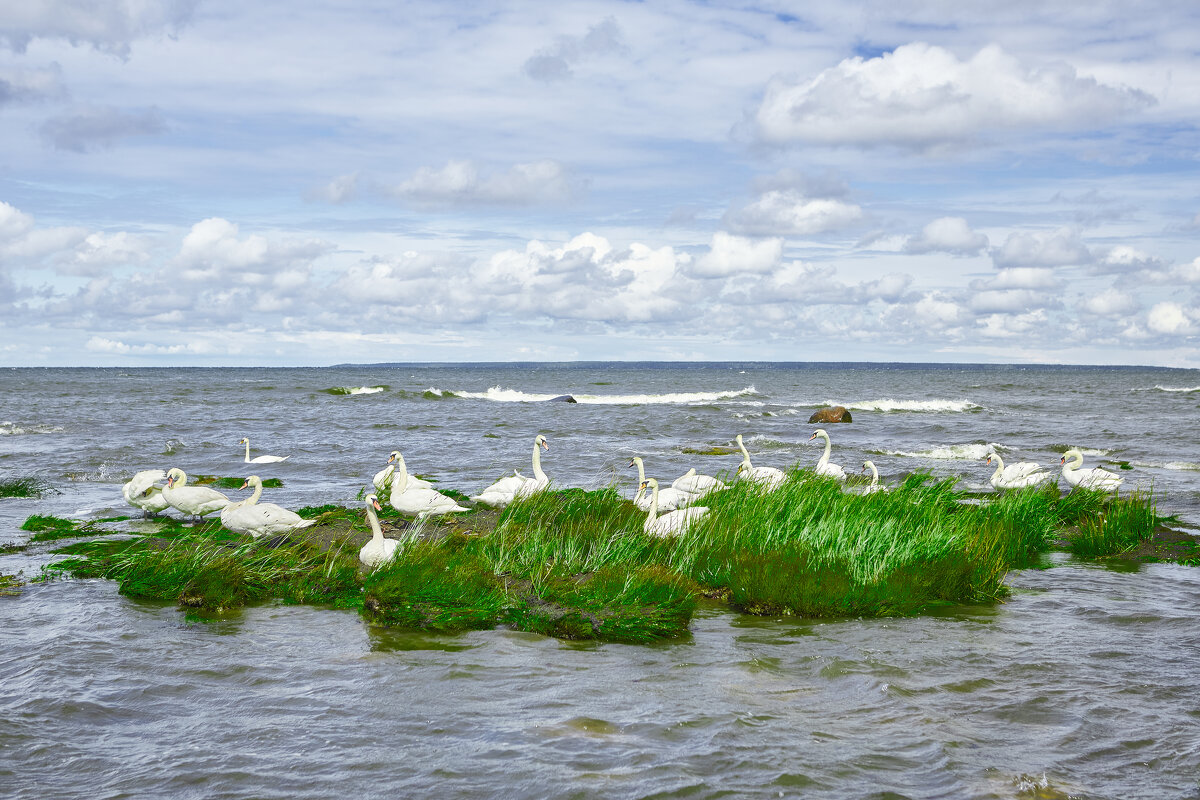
[1015, 476]
[670, 524]
[410, 499]
[1094, 478]
[143, 492]
[698, 485]
[505, 490]
[668, 499]
[260, 519]
[823, 466]
[383, 479]
[769, 478]
[260, 459]
[379, 550]
[875, 485]
[194, 501]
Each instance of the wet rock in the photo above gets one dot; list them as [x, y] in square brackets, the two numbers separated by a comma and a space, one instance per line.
[831, 414]
[562, 398]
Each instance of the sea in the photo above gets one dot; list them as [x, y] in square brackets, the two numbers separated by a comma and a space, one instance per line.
[1081, 684]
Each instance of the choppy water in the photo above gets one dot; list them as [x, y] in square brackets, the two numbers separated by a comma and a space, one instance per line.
[1081, 685]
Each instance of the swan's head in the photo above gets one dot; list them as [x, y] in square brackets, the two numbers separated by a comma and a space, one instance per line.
[253, 480]
[818, 432]
[738, 438]
[988, 458]
[1071, 455]
[176, 475]
[541, 440]
[633, 462]
[650, 483]
[392, 456]
[373, 502]
[866, 466]
[243, 441]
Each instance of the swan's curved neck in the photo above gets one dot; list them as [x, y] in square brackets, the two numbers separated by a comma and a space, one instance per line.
[399, 477]
[641, 477]
[824, 459]
[1074, 461]
[745, 454]
[373, 520]
[182, 482]
[999, 467]
[874, 476]
[252, 499]
[247, 451]
[653, 515]
[537, 464]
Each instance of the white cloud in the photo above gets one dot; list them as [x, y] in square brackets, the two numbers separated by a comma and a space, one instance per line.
[341, 189]
[212, 246]
[1124, 259]
[1057, 248]
[947, 235]
[1024, 278]
[935, 311]
[733, 255]
[461, 183]
[783, 212]
[922, 95]
[1110, 303]
[108, 26]
[14, 223]
[554, 63]
[1007, 326]
[30, 85]
[97, 127]
[1169, 318]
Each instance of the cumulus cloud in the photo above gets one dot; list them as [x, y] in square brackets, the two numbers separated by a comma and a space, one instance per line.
[341, 189]
[921, 95]
[1007, 326]
[936, 311]
[733, 255]
[109, 27]
[30, 85]
[785, 212]
[462, 183]
[99, 127]
[1169, 319]
[212, 247]
[1057, 248]
[1110, 303]
[1124, 259]
[554, 63]
[947, 235]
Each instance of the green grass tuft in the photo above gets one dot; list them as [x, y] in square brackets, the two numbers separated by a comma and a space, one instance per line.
[1122, 524]
[24, 487]
[434, 586]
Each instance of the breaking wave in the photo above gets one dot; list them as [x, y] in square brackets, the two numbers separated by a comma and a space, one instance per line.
[1159, 388]
[13, 429]
[889, 404]
[342, 390]
[499, 394]
[954, 452]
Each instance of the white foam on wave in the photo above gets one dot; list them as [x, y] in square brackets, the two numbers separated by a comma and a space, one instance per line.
[13, 429]
[1182, 466]
[1160, 388]
[954, 452]
[501, 395]
[890, 404]
[365, 390]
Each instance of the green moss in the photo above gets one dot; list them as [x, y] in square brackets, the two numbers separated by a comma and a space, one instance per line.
[715, 450]
[39, 524]
[434, 587]
[10, 585]
[230, 483]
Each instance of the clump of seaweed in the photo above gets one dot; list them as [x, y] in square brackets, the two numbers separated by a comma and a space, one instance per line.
[10, 585]
[24, 487]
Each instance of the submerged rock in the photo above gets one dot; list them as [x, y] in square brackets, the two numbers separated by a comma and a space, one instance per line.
[562, 398]
[831, 414]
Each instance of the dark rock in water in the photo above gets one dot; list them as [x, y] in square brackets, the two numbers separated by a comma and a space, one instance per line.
[832, 414]
[562, 398]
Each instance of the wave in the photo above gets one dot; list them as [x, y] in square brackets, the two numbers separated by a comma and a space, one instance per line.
[1160, 388]
[501, 395]
[955, 452]
[888, 404]
[1183, 466]
[344, 390]
[13, 429]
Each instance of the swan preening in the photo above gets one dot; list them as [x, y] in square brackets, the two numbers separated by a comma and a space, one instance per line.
[823, 465]
[409, 498]
[1094, 478]
[1015, 476]
[505, 490]
[769, 478]
[260, 519]
[143, 492]
[193, 501]
[379, 550]
[260, 459]
[672, 523]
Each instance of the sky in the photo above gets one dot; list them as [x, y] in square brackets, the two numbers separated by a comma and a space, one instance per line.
[214, 183]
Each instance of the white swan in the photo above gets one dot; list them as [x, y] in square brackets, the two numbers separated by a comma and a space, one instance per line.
[379, 550]
[823, 466]
[698, 485]
[668, 499]
[1015, 476]
[672, 524]
[409, 499]
[193, 501]
[260, 459]
[505, 490]
[143, 492]
[875, 485]
[769, 478]
[260, 519]
[383, 479]
[1094, 478]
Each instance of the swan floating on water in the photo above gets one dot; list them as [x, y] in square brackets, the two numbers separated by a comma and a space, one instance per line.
[260, 459]
[193, 501]
[668, 499]
[1015, 476]
[823, 466]
[260, 519]
[673, 523]
[143, 492]
[379, 550]
[408, 498]
[770, 478]
[1094, 478]
[875, 485]
[505, 490]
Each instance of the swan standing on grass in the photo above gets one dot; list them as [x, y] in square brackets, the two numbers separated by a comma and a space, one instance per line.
[698, 485]
[379, 550]
[143, 492]
[1015, 476]
[769, 478]
[260, 519]
[672, 524]
[823, 465]
[668, 499]
[875, 485]
[193, 501]
[260, 459]
[408, 498]
[1094, 478]
[383, 479]
[505, 490]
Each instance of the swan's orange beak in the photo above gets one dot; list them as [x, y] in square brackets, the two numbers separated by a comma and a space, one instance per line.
[244, 485]
[170, 481]
[632, 463]
[377, 506]
[812, 437]
[545, 445]
[391, 458]
[644, 484]
[1062, 460]
[989, 459]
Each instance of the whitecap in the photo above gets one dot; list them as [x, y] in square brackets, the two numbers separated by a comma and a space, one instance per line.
[501, 395]
[890, 404]
[13, 429]
[352, 390]
[1160, 388]
[954, 452]
[1182, 466]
